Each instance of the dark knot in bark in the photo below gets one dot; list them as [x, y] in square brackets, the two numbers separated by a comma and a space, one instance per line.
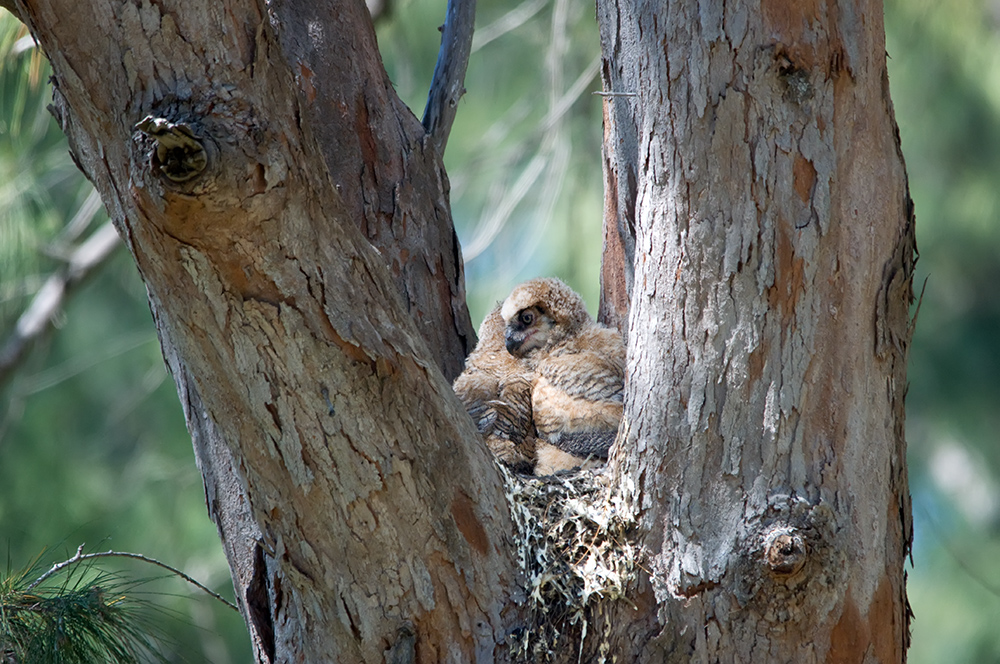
[179, 155]
[785, 551]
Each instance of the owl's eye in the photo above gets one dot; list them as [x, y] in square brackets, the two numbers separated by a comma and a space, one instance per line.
[526, 318]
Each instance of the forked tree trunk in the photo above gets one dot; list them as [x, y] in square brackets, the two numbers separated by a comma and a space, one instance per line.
[760, 249]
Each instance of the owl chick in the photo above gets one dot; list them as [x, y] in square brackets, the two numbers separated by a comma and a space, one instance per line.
[495, 388]
[579, 368]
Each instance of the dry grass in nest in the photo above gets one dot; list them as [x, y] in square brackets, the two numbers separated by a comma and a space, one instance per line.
[574, 551]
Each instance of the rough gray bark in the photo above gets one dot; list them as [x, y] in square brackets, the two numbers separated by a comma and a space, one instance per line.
[448, 84]
[386, 168]
[305, 357]
[758, 191]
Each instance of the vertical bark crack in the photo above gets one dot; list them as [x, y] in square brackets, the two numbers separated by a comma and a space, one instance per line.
[258, 602]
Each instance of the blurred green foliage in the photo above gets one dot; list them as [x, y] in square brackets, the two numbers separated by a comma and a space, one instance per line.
[944, 73]
[93, 447]
[524, 154]
[92, 442]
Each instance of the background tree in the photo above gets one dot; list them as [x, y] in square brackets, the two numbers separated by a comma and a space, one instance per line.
[527, 162]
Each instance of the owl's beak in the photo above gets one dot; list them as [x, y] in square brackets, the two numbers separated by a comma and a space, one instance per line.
[513, 339]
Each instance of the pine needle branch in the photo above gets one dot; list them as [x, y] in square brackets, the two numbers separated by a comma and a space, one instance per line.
[81, 556]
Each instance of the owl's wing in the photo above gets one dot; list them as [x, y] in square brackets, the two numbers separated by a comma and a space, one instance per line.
[512, 435]
[499, 402]
[577, 402]
[475, 389]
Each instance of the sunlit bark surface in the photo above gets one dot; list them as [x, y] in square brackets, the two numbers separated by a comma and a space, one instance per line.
[755, 181]
[294, 236]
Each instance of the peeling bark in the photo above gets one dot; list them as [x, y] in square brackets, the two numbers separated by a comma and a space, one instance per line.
[768, 326]
[312, 379]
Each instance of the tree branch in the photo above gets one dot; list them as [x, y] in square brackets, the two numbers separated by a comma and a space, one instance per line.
[38, 316]
[260, 275]
[405, 174]
[448, 84]
[80, 556]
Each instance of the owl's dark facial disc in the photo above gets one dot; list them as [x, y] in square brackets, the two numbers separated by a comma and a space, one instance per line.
[527, 331]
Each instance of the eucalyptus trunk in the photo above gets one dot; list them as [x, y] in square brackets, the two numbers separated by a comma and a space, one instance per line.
[757, 190]
[293, 230]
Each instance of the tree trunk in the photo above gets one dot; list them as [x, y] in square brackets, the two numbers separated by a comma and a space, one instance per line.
[757, 185]
[293, 232]
[291, 222]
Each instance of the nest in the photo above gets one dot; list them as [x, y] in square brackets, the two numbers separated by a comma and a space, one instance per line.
[574, 551]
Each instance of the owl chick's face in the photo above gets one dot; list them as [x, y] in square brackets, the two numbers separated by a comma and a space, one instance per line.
[540, 314]
[528, 330]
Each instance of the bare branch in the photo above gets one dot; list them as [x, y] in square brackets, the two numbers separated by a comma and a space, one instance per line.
[63, 246]
[512, 20]
[80, 556]
[378, 9]
[50, 297]
[77, 557]
[448, 84]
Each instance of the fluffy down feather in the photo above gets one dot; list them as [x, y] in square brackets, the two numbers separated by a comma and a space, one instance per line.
[495, 388]
[578, 370]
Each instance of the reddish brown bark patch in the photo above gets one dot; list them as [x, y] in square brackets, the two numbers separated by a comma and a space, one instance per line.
[788, 22]
[882, 624]
[757, 361]
[879, 631]
[468, 524]
[362, 126]
[804, 174]
[614, 304]
[789, 281]
[305, 83]
[613, 309]
[849, 639]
